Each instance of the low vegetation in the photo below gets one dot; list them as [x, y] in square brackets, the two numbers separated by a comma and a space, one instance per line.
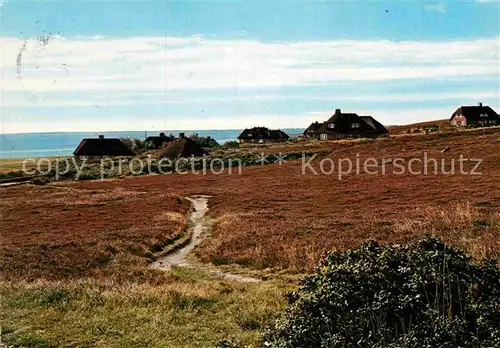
[232, 144]
[56, 232]
[422, 127]
[204, 141]
[426, 294]
[279, 217]
[75, 256]
[190, 309]
[136, 145]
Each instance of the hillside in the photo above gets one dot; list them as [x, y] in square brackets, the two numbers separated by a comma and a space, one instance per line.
[443, 125]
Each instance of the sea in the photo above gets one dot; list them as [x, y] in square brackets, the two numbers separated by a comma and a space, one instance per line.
[28, 145]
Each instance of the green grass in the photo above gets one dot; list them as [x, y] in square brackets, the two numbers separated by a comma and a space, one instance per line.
[194, 309]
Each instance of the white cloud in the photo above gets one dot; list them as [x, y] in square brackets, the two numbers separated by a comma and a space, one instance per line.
[155, 70]
[439, 7]
[121, 98]
[169, 64]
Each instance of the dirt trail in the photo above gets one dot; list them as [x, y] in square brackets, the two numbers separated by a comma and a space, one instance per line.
[199, 226]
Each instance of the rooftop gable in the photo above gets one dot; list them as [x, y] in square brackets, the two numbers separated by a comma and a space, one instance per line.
[262, 133]
[102, 147]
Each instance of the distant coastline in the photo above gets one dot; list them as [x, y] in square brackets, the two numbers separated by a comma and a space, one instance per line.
[25, 145]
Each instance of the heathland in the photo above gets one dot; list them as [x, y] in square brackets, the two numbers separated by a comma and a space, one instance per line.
[75, 255]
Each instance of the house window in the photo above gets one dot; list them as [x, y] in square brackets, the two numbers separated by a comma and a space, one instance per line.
[483, 115]
[355, 125]
[331, 125]
[493, 121]
[323, 137]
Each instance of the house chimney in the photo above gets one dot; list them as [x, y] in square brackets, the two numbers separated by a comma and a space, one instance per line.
[338, 111]
[480, 104]
[181, 135]
[101, 137]
[162, 135]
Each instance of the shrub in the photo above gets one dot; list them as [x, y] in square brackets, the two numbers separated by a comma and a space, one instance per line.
[425, 294]
[204, 141]
[232, 144]
[134, 144]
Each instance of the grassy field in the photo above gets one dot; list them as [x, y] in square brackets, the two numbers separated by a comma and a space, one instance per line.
[11, 165]
[16, 164]
[75, 255]
[191, 309]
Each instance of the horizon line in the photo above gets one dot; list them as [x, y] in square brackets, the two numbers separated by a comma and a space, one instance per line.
[148, 131]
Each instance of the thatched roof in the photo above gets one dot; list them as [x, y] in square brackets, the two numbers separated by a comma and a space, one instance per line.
[476, 113]
[155, 142]
[183, 147]
[379, 127]
[313, 127]
[257, 133]
[341, 123]
[102, 147]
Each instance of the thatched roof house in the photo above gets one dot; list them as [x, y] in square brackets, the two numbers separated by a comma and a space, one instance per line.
[310, 131]
[99, 147]
[475, 116]
[157, 141]
[183, 147]
[262, 135]
[345, 125]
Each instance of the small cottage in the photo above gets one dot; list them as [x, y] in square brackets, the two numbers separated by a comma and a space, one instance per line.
[310, 132]
[183, 147]
[100, 147]
[474, 116]
[158, 141]
[262, 135]
[345, 125]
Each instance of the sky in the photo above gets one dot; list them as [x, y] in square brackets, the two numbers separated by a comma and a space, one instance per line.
[151, 65]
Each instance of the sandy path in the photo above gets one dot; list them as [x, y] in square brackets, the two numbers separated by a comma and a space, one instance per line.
[200, 226]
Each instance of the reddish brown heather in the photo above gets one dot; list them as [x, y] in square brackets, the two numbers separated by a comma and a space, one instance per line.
[65, 230]
[407, 128]
[271, 216]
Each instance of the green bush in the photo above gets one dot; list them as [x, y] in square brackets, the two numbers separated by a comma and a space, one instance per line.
[134, 144]
[232, 144]
[425, 294]
[204, 141]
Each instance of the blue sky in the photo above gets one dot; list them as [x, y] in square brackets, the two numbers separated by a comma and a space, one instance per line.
[100, 66]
